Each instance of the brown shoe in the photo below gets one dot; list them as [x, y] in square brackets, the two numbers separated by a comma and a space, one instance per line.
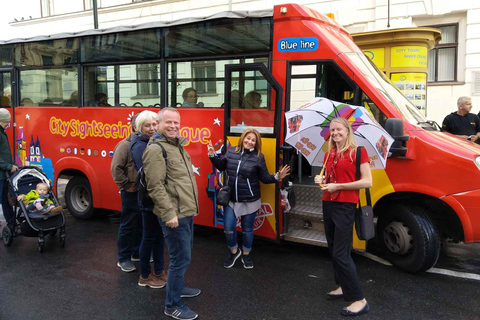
[162, 276]
[152, 281]
[56, 209]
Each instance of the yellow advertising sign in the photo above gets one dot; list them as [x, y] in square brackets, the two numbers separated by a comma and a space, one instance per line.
[413, 86]
[377, 56]
[409, 56]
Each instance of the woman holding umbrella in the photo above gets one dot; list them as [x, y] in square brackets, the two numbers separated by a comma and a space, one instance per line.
[340, 198]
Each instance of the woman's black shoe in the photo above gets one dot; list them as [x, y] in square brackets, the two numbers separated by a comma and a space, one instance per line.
[331, 296]
[346, 312]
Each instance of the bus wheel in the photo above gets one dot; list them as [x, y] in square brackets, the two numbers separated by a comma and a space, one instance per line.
[78, 196]
[408, 238]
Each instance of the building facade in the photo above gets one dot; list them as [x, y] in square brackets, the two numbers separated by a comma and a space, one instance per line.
[453, 66]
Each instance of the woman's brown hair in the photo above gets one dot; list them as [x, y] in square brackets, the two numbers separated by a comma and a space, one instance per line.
[258, 143]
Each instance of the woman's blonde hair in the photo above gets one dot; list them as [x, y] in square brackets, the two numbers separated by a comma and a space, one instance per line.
[349, 143]
[258, 143]
[143, 116]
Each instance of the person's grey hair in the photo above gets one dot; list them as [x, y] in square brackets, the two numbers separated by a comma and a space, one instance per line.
[144, 116]
[461, 101]
[161, 112]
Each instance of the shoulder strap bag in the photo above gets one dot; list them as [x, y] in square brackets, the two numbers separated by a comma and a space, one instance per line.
[364, 225]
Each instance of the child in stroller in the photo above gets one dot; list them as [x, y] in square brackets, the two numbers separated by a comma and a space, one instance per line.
[39, 200]
[33, 223]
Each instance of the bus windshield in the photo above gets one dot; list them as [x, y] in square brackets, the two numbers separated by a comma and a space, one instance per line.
[390, 91]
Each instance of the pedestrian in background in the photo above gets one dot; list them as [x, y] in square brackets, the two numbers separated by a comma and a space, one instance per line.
[340, 199]
[153, 243]
[175, 199]
[6, 165]
[245, 168]
[462, 123]
[130, 229]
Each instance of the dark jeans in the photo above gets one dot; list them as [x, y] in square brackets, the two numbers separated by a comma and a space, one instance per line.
[338, 221]
[180, 243]
[230, 225]
[6, 207]
[152, 244]
[130, 230]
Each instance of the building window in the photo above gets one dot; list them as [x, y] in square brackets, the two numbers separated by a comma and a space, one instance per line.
[442, 60]
[204, 75]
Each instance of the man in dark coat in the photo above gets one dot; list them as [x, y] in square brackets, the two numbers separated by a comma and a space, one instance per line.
[6, 164]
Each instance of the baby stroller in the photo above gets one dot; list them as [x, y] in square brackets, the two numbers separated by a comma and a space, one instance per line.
[32, 224]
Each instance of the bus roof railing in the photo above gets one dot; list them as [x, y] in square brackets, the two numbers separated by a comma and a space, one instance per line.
[148, 25]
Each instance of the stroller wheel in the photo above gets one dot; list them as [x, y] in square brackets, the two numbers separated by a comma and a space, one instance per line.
[40, 247]
[7, 235]
[62, 241]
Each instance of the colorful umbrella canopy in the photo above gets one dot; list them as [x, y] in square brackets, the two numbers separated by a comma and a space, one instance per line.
[309, 130]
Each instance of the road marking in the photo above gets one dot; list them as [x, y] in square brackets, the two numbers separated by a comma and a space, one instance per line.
[375, 258]
[456, 274]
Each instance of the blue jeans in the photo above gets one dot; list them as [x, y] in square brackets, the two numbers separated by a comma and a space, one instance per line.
[180, 244]
[6, 207]
[152, 244]
[130, 229]
[230, 225]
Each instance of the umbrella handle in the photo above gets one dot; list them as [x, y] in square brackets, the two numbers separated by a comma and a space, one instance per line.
[324, 166]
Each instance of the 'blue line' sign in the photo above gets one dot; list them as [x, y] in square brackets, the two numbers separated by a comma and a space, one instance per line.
[297, 44]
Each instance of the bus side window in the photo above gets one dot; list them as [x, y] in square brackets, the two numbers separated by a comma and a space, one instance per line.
[374, 110]
[49, 87]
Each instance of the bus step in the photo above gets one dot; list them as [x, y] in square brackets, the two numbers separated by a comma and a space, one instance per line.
[305, 212]
[308, 195]
[308, 236]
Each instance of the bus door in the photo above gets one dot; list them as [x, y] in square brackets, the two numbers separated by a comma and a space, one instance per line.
[6, 100]
[253, 100]
[305, 81]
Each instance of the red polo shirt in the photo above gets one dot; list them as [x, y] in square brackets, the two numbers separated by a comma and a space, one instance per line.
[342, 169]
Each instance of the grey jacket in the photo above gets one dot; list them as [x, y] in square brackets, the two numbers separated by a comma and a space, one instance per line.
[122, 168]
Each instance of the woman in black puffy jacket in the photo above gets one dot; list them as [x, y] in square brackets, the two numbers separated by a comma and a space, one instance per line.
[245, 167]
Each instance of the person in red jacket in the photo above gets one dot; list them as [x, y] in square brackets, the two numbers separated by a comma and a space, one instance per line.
[340, 198]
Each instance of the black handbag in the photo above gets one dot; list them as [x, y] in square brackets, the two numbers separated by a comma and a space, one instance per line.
[364, 225]
[223, 196]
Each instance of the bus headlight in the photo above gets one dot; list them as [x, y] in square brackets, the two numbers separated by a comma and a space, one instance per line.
[477, 161]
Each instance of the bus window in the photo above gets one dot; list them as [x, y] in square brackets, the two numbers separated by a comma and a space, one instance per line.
[257, 96]
[5, 89]
[374, 110]
[130, 85]
[139, 85]
[98, 81]
[49, 87]
[6, 55]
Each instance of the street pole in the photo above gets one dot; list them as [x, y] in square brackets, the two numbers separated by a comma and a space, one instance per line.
[95, 14]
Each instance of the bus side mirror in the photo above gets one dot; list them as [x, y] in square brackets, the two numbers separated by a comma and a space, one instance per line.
[394, 127]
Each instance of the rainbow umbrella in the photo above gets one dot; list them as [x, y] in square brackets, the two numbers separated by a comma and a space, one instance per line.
[309, 130]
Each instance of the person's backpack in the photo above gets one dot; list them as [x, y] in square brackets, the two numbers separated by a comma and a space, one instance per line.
[142, 183]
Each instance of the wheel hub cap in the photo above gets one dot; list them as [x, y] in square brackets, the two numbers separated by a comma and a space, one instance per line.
[398, 238]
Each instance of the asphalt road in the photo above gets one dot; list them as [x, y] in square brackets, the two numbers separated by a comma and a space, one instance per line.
[289, 281]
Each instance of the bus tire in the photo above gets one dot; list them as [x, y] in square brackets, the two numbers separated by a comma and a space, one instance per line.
[78, 197]
[408, 238]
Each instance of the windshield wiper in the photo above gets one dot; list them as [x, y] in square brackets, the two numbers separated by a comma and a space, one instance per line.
[429, 125]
